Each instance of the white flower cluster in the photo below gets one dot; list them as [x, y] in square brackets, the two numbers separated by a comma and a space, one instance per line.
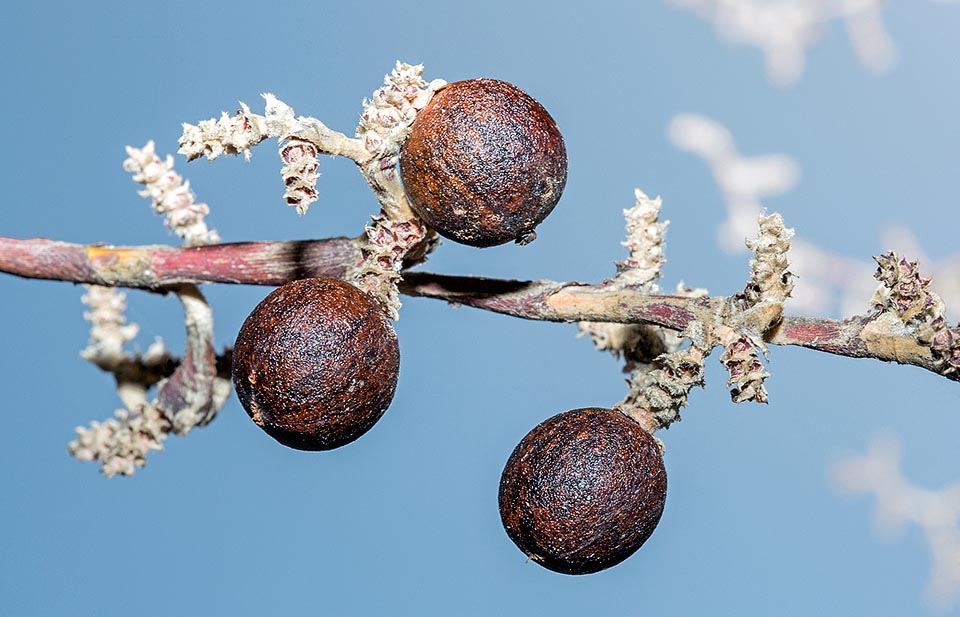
[171, 195]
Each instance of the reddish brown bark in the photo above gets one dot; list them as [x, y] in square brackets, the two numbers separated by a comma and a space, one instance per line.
[275, 263]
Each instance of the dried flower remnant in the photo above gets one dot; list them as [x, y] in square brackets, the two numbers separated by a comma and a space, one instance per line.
[384, 127]
[121, 444]
[299, 173]
[636, 343]
[230, 135]
[770, 279]
[904, 293]
[389, 113]
[189, 392]
[762, 304]
[109, 330]
[237, 134]
[388, 244]
[645, 241]
[171, 195]
[657, 395]
[747, 374]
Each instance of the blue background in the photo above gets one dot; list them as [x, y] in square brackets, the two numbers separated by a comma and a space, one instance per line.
[405, 521]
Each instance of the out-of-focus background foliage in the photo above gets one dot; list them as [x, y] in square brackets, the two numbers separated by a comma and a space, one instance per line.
[404, 521]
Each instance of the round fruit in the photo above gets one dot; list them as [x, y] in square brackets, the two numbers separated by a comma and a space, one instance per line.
[583, 490]
[316, 363]
[484, 163]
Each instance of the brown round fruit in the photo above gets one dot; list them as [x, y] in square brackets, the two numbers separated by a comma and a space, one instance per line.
[484, 163]
[583, 490]
[316, 363]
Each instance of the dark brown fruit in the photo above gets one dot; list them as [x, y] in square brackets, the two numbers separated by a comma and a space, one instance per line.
[316, 363]
[583, 490]
[484, 163]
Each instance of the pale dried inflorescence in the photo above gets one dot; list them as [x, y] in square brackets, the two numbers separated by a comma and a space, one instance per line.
[661, 374]
[388, 242]
[384, 126]
[308, 137]
[299, 173]
[389, 113]
[641, 269]
[189, 397]
[761, 303]
[770, 279]
[171, 195]
[109, 330]
[656, 395]
[747, 374]
[230, 134]
[936, 513]
[904, 293]
[121, 444]
[645, 235]
[396, 232]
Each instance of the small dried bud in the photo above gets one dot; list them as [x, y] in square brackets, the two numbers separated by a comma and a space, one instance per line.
[484, 163]
[316, 363]
[583, 491]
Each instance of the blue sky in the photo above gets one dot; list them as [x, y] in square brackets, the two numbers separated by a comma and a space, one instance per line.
[404, 521]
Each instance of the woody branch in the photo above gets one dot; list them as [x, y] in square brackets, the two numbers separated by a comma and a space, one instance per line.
[878, 335]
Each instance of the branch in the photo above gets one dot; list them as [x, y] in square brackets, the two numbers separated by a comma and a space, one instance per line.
[882, 335]
[160, 266]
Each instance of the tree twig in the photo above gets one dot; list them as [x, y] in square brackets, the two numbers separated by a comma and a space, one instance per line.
[879, 335]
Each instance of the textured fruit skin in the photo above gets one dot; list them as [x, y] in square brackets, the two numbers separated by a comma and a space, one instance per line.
[315, 364]
[484, 163]
[583, 490]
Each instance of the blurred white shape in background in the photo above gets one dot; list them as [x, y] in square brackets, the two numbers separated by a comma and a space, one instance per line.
[828, 282]
[785, 29]
[935, 513]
